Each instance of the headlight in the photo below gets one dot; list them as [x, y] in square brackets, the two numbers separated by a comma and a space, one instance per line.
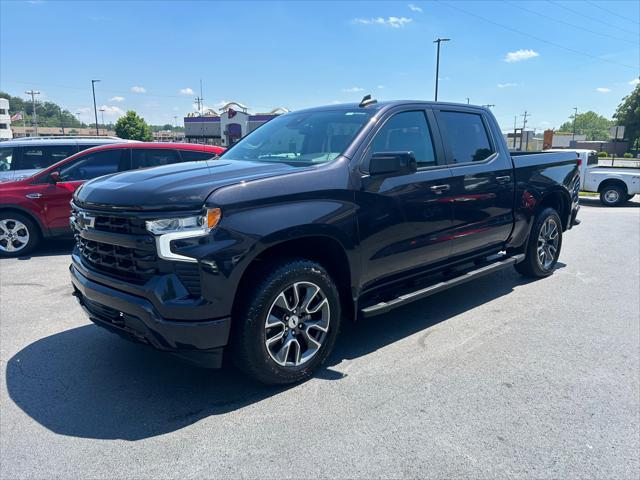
[196, 224]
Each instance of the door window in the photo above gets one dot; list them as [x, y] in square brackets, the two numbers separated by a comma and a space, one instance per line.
[467, 136]
[6, 156]
[406, 132]
[37, 157]
[93, 165]
[143, 157]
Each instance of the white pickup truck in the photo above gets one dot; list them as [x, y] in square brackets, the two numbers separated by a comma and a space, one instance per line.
[616, 185]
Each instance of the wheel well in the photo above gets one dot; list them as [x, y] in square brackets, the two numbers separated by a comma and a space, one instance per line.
[327, 251]
[610, 182]
[24, 214]
[559, 203]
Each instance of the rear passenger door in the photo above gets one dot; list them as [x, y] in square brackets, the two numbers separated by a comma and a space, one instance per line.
[404, 219]
[482, 183]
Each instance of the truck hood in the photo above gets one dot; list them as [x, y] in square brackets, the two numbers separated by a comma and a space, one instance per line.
[182, 186]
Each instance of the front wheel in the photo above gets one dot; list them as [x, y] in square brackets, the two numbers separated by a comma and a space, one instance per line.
[543, 246]
[18, 235]
[613, 195]
[288, 324]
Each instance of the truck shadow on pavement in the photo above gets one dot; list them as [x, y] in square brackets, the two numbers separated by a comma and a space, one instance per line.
[88, 383]
[595, 202]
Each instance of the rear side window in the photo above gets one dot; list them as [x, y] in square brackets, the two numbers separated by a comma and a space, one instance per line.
[144, 158]
[592, 159]
[85, 147]
[467, 136]
[93, 165]
[42, 157]
[406, 132]
[195, 155]
[6, 157]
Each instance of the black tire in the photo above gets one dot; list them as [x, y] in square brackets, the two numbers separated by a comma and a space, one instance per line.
[532, 265]
[17, 226]
[613, 195]
[249, 350]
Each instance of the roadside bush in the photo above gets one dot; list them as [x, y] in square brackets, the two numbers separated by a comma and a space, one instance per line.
[602, 154]
[627, 155]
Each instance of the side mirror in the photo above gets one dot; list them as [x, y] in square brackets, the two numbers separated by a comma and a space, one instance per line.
[54, 177]
[386, 163]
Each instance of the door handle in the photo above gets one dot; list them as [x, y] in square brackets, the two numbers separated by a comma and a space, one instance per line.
[33, 196]
[440, 188]
[503, 179]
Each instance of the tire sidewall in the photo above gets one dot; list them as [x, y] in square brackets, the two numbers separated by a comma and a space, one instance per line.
[540, 271]
[34, 234]
[258, 309]
[622, 196]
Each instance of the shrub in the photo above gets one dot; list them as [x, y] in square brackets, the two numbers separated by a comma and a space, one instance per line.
[602, 154]
[627, 155]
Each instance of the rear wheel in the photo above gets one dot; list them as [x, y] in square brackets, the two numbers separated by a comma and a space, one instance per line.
[543, 246]
[613, 195]
[288, 324]
[18, 234]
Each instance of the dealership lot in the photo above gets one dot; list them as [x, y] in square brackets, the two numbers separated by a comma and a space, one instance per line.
[500, 377]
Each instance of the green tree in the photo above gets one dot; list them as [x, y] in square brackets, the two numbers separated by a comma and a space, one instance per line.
[49, 113]
[628, 114]
[594, 126]
[133, 127]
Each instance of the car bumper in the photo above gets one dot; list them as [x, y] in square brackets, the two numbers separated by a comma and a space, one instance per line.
[136, 318]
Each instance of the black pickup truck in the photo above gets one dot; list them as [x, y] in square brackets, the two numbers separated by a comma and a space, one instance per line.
[321, 215]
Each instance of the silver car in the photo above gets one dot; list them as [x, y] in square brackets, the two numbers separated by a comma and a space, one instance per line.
[23, 157]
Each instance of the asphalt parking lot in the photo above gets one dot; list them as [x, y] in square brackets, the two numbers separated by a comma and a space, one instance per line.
[498, 378]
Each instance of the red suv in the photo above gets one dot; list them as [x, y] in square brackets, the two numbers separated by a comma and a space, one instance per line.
[38, 207]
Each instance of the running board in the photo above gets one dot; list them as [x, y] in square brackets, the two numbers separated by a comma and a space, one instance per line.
[384, 307]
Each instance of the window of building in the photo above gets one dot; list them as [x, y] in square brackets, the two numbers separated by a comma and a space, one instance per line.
[467, 136]
[93, 165]
[3, 111]
[406, 132]
[3, 126]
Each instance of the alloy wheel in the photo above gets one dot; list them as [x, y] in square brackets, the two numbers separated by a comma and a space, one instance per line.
[612, 196]
[14, 235]
[297, 324]
[548, 243]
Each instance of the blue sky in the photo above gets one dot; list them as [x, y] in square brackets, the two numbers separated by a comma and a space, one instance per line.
[545, 57]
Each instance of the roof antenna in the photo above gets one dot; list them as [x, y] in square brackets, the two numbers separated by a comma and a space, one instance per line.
[367, 100]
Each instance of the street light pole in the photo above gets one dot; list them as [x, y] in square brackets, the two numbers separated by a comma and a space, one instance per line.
[61, 120]
[95, 109]
[438, 41]
[575, 115]
[33, 93]
[103, 125]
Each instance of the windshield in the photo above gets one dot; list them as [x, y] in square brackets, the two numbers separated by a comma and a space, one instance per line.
[303, 138]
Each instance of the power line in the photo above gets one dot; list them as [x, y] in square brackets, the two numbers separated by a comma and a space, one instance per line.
[581, 28]
[611, 13]
[594, 19]
[557, 45]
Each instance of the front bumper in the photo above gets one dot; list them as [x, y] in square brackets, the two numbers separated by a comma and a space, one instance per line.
[136, 318]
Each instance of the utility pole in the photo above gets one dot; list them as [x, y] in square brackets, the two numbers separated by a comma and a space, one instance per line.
[575, 115]
[438, 41]
[104, 127]
[95, 109]
[198, 101]
[524, 126]
[515, 130]
[467, 100]
[33, 93]
[61, 120]
[175, 121]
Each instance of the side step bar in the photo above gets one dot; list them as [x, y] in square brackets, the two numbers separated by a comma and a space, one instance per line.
[384, 307]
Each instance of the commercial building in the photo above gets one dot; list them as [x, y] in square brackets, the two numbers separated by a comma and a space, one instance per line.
[5, 120]
[29, 131]
[227, 127]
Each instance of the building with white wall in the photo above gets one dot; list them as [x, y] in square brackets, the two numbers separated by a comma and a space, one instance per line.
[5, 120]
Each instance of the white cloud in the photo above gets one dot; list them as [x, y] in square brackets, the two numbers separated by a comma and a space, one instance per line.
[507, 85]
[186, 91]
[519, 55]
[353, 89]
[137, 89]
[635, 81]
[380, 87]
[414, 8]
[111, 110]
[603, 89]
[393, 22]
[116, 99]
